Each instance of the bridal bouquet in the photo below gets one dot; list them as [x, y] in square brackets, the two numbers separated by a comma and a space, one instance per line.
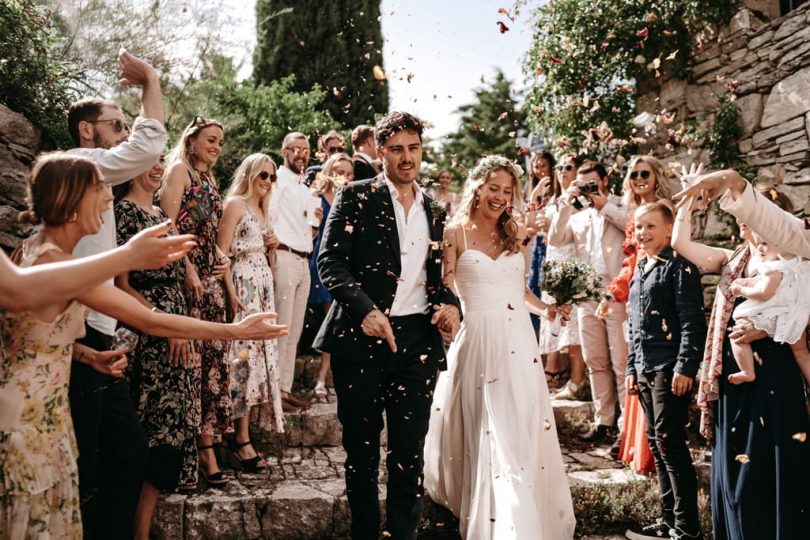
[570, 281]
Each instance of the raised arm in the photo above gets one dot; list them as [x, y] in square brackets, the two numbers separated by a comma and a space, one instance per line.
[31, 288]
[560, 232]
[708, 259]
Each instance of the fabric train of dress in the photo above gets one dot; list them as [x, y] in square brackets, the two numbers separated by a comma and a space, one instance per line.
[492, 455]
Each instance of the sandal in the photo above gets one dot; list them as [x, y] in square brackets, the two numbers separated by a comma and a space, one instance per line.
[215, 480]
[320, 392]
[554, 379]
[250, 465]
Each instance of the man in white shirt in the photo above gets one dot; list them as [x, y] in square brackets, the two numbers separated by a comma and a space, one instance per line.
[381, 260]
[296, 215]
[597, 233]
[112, 446]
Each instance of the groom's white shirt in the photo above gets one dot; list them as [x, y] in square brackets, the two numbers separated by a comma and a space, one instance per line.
[414, 241]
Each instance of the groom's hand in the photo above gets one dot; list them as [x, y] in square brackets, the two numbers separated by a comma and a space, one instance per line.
[448, 319]
[375, 324]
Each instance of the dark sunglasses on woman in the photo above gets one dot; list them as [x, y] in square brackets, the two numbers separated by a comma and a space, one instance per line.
[635, 174]
[264, 175]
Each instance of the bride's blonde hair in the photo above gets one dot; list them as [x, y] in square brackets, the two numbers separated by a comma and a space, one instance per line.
[479, 176]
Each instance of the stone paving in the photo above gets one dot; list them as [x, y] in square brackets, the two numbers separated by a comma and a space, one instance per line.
[302, 495]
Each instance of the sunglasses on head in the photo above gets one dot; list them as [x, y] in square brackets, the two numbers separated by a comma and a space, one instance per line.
[117, 125]
[264, 175]
[566, 167]
[635, 174]
[199, 120]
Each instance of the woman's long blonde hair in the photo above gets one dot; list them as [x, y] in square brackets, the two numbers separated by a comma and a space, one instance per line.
[181, 151]
[662, 188]
[242, 181]
[325, 179]
[479, 176]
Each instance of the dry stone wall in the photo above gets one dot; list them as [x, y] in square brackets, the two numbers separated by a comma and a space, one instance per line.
[18, 146]
[767, 65]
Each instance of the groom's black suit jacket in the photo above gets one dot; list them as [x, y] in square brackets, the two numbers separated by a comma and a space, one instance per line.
[359, 263]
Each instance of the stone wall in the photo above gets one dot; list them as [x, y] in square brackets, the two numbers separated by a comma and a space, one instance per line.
[766, 63]
[18, 146]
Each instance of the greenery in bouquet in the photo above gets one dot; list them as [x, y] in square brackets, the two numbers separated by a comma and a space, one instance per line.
[570, 281]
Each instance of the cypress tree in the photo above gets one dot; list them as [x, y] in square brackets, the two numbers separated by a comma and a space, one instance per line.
[333, 44]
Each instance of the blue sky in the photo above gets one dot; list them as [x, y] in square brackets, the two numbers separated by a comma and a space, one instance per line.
[446, 44]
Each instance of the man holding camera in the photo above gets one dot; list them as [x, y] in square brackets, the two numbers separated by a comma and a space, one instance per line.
[594, 221]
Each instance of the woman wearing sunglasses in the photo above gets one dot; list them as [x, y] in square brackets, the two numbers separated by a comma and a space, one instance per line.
[253, 365]
[645, 182]
[189, 195]
[576, 387]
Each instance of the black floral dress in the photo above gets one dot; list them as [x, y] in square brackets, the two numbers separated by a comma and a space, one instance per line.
[166, 397]
[200, 212]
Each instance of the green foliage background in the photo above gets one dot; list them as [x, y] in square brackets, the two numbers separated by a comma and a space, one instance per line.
[333, 44]
[589, 60]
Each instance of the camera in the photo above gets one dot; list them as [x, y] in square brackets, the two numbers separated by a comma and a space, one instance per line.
[585, 189]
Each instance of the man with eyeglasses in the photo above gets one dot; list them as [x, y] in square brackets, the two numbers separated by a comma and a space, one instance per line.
[296, 215]
[112, 446]
[329, 144]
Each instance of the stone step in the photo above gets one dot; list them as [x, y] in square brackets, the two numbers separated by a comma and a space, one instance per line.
[319, 425]
[303, 496]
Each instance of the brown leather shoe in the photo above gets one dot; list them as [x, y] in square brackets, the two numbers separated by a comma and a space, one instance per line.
[288, 406]
[297, 401]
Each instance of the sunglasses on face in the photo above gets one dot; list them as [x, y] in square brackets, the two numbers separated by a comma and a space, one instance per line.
[117, 125]
[335, 149]
[298, 149]
[264, 175]
[567, 167]
[635, 174]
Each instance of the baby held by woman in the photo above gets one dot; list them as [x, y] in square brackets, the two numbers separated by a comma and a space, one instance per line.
[778, 302]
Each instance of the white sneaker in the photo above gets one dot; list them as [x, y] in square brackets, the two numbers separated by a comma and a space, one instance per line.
[320, 392]
[569, 392]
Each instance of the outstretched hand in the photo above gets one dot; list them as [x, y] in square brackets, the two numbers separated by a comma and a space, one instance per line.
[259, 326]
[151, 248]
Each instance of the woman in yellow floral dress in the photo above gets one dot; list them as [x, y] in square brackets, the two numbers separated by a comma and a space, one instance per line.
[39, 496]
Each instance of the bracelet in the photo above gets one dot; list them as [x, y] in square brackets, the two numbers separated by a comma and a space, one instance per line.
[526, 241]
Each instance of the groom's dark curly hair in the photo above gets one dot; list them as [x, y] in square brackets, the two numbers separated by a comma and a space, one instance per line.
[394, 122]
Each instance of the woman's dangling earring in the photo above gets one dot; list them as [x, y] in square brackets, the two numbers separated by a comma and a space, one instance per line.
[191, 150]
[476, 201]
[74, 217]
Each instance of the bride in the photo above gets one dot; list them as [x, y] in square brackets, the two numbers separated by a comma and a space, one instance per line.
[492, 455]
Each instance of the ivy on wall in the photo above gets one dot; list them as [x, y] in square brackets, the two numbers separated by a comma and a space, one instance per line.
[590, 60]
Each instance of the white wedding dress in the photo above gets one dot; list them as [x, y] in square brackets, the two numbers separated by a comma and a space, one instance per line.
[491, 454]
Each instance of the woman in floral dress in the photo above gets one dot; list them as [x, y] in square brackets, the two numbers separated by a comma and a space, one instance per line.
[39, 493]
[164, 374]
[253, 364]
[190, 197]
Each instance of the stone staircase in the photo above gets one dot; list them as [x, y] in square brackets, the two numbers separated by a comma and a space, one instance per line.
[302, 495]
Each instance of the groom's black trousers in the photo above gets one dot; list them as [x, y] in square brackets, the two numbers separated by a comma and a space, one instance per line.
[401, 384]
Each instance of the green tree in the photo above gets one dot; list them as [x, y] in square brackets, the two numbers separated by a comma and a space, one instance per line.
[333, 44]
[488, 126]
[590, 59]
[256, 117]
[34, 80]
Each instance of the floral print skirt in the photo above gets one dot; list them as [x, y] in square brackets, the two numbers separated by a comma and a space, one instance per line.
[50, 514]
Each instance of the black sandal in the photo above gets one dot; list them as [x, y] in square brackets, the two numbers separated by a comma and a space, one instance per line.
[249, 465]
[215, 480]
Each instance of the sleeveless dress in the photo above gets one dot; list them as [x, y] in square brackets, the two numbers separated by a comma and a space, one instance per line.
[253, 364]
[783, 316]
[39, 483]
[491, 454]
[200, 212]
[568, 334]
[167, 397]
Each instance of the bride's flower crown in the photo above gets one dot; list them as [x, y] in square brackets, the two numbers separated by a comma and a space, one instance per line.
[487, 164]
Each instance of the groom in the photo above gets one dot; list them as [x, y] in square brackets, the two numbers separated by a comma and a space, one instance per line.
[381, 260]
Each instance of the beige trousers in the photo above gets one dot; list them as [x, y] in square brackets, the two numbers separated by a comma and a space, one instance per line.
[291, 292]
[605, 352]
